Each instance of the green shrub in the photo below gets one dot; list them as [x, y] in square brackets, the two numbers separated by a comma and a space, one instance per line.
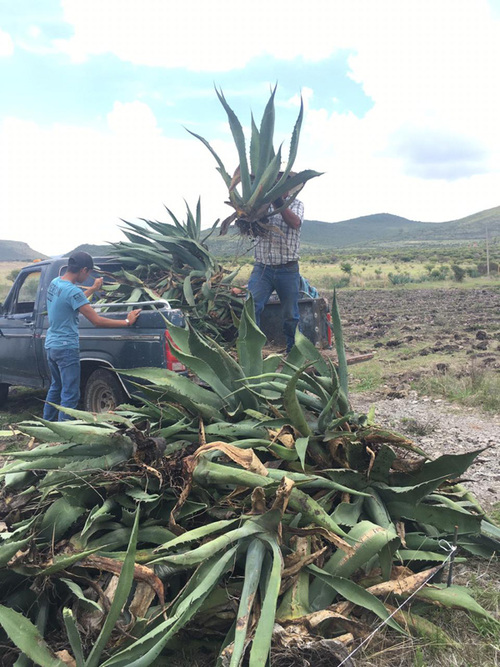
[458, 273]
[400, 278]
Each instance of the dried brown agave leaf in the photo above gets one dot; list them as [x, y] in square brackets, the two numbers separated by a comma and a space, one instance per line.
[141, 572]
[246, 458]
[403, 585]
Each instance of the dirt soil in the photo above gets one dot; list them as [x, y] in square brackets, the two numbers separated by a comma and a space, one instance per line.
[430, 328]
[440, 428]
[427, 321]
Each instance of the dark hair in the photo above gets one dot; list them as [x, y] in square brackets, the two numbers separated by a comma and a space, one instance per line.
[80, 260]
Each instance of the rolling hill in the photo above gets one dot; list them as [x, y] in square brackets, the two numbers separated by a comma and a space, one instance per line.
[18, 251]
[378, 230]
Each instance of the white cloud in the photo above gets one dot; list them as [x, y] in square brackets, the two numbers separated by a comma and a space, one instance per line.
[201, 35]
[66, 185]
[429, 149]
[6, 44]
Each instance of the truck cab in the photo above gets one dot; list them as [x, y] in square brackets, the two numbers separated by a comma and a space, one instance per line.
[24, 324]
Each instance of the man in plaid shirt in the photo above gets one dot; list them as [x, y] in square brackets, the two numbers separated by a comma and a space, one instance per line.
[277, 266]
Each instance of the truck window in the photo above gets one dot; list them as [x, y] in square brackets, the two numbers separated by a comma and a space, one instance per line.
[23, 302]
[96, 273]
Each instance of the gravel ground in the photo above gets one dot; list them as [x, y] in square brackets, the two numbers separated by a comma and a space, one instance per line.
[440, 428]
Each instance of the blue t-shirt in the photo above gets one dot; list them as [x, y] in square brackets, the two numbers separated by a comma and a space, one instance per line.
[63, 301]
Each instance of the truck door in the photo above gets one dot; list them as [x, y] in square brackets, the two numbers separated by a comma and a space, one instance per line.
[19, 343]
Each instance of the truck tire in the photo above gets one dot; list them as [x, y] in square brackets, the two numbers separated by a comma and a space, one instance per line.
[4, 392]
[103, 391]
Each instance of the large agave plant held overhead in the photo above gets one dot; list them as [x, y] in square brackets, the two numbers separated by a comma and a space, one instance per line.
[259, 179]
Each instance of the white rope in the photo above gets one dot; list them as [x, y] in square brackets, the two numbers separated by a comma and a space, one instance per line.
[444, 545]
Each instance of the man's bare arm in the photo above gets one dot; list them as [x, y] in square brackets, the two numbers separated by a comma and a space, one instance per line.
[291, 219]
[106, 322]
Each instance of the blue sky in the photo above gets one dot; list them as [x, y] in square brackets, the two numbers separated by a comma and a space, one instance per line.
[400, 97]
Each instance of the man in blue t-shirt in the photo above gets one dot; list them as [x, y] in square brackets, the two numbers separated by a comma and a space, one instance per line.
[64, 303]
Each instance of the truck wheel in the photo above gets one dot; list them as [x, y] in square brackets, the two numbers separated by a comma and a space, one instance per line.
[4, 392]
[103, 391]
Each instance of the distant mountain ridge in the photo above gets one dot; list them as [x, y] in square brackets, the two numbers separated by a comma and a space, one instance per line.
[379, 230]
[18, 251]
[384, 228]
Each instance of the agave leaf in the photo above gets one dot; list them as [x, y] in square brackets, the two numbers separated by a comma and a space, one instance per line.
[61, 514]
[261, 644]
[56, 564]
[27, 638]
[239, 140]
[197, 533]
[207, 374]
[448, 466]
[254, 147]
[309, 352]
[222, 170]
[102, 418]
[253, 565]
[442, 518]
[209, 549]
[339, 345]
[295, 601]
[263, 185]
[85, 434]
[9, 549]
[367, 540]
[122, 592]
[456, 597]
[144, 651]
[266, 138]
[411, 555]
[355, 594]
[347, 514]
[250, 341]
[294, 143]
[376, 509]
[292, 406]
[74, 636]
[165, 380]
[292, 183]
[89, 605]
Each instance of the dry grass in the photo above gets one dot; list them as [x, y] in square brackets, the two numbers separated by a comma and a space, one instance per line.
[5, 269]
[476, 640]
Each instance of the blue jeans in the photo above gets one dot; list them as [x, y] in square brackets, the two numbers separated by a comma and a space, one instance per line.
[64, 366]
[285, 280]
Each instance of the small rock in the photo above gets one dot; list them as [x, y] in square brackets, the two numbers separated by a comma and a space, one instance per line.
[481, 335]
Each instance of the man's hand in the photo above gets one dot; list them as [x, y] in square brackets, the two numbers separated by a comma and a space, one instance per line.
[278, 203]
[133, 315]
[95, 287]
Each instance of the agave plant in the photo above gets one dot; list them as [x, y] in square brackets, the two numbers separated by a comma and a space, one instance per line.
[247, 508]
[259, 179]
[172, 262]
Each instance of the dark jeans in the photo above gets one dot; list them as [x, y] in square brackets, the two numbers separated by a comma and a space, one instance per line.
[285, 279]
[64, 366]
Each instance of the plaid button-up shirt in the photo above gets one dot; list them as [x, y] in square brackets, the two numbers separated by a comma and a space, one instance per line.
[276, 248]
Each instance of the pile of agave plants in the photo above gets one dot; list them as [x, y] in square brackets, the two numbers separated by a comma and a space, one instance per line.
[244, 511]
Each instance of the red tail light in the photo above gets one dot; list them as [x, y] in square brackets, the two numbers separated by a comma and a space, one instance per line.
[329, 329]
[173, 364]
